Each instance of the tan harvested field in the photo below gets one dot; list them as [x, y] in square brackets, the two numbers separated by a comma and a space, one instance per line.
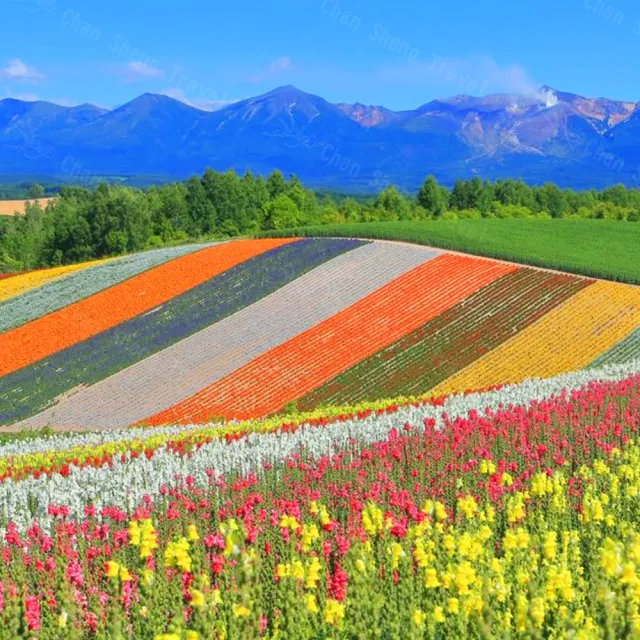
[9, 207]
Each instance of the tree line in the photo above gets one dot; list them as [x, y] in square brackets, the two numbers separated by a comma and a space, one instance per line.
[84, 224]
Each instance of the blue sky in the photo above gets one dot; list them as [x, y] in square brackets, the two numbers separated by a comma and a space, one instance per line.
[400, 54]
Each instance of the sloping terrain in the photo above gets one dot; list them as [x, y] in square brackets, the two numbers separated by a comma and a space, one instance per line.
[244, 329]
[548, 136]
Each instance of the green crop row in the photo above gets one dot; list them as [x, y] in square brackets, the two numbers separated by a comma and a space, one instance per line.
[596, 248]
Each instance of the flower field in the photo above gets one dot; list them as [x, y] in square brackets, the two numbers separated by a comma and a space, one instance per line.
[246, 329]
[506, 513]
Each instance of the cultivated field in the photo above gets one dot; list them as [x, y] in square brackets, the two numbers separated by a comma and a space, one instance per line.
[596, 248]
[10, 207]
[304, 438]
[251, 328]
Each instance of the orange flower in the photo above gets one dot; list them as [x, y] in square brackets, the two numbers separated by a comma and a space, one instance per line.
[297, 366]
[56, 331]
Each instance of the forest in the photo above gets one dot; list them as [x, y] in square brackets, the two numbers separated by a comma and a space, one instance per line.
[86, 223]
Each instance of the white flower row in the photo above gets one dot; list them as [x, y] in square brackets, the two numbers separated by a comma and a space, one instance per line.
[81, 284]
[455, 405]
[125, 484]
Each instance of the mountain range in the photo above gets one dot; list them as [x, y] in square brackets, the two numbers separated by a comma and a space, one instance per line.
[549, 136]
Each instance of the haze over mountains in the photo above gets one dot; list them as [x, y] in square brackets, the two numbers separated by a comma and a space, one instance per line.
[551, 136]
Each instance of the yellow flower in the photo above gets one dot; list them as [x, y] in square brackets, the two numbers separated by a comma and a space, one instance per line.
[289, 522]
[438, 614]
[134, 533]
[62, 619]
[176, 555]
[125, 576]
[550, 545]
[283, 570]
[431, 578]
[310, 603]
[396, 553]
[217, 598]
[506, 480]
[333, 612]
[440, 511]
[197, 598]
[537, 612]
[192, 533]
[148, 539]
[191, 635]
[308, 536]
[112, 569]
[510, 540]
[487, 467]
[240, 611]
[465, 576]
[144, 611]
[485, 533]
[324, 516]
[418, 617]
[610, 558]
[452, 605]
[629, 574]
[361, 566]
[297, 570]
[523, 538]
[313, 573]
[468, 506]
[167, 636]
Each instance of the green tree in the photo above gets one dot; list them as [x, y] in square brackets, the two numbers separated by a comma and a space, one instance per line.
[36, 191]
[200, 210]
[282, 213]
[275, 184]
[430, 197]
[392, 205]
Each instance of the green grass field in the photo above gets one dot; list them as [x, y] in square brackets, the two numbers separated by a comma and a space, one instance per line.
[598, 248]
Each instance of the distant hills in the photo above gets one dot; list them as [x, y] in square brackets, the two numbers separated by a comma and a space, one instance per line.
[550, 136]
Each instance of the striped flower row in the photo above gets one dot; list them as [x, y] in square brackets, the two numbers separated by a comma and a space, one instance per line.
[125, 477]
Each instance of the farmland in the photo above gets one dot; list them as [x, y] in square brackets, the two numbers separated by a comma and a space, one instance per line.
[596, 248]
[11, 207]
[251, 328]
[306, 437]
[519, 518]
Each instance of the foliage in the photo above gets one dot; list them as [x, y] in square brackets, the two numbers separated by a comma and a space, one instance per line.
[83, 224]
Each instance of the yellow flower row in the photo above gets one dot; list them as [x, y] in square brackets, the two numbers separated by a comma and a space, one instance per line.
[54, 458]
[27, 281]
[590, 322]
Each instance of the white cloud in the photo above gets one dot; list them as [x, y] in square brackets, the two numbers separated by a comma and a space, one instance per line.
[25, 97]
[199, 103]
[64, 102]
[137, 70]
[475, 75]
[276, 68]
[16, 70]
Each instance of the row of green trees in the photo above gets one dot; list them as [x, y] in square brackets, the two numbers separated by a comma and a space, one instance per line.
[82, 224]
[515, 199]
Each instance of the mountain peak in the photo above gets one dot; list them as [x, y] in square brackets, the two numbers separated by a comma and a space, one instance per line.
[286, 88]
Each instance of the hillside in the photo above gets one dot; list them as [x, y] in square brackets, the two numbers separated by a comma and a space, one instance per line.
[551, 135]
[596, 248]
[244, 329]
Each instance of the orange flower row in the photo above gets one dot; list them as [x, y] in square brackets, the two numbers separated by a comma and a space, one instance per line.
[49, 334]
[299, 365]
